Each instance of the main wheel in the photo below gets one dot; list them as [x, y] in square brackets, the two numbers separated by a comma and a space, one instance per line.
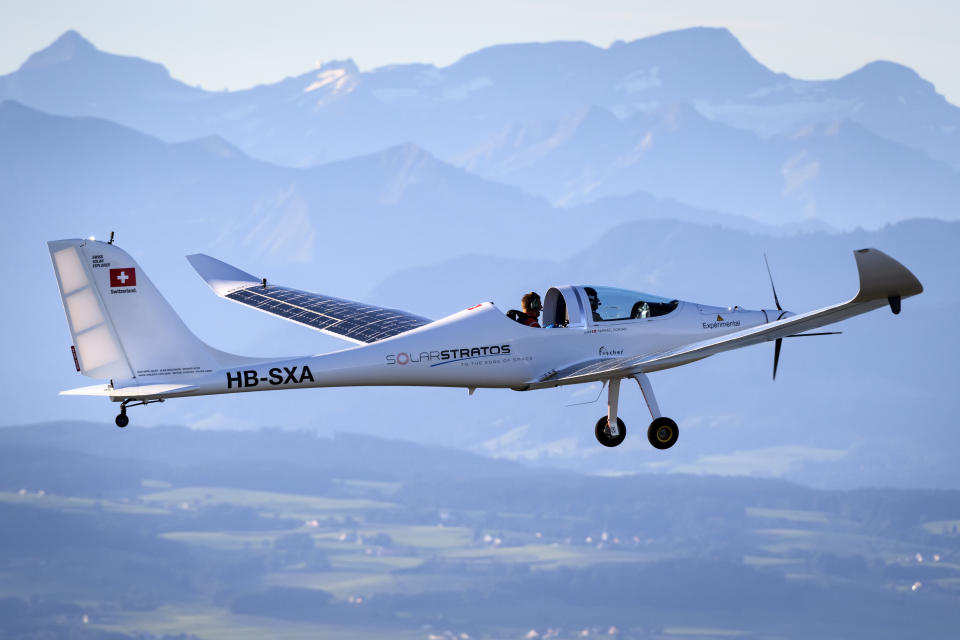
[122, 420]
[663, 433]
[602, 431]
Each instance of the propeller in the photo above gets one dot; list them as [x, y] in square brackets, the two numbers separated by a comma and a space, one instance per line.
[779, 343]
[776, 355]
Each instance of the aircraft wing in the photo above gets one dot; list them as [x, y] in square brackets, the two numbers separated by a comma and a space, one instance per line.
[881, 279]
[353, 321]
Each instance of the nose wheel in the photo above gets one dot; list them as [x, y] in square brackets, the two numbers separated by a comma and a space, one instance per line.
[604, 432]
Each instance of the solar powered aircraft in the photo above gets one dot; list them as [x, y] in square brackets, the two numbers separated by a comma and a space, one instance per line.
[125, 332]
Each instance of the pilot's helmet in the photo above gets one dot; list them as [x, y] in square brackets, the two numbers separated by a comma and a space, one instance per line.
[594, 300]
[531, 302]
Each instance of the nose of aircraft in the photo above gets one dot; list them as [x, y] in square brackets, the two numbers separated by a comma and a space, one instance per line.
[777, 314]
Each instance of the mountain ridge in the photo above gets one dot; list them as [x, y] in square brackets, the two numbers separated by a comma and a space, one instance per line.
[449, 109]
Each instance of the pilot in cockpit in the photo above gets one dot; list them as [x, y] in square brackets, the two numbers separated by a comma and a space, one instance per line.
[594, 302]
[531, 305]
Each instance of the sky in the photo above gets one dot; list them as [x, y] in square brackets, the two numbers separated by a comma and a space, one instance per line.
[235, 44]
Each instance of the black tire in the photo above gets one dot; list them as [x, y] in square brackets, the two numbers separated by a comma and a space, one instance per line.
[603, 432]
[663, 433]
[122, 420]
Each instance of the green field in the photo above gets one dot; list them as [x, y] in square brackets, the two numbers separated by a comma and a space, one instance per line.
[456, 558]
[72, 504]
[279, 505]
[212, 623]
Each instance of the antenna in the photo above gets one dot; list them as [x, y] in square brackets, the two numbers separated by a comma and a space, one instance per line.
[263, 283]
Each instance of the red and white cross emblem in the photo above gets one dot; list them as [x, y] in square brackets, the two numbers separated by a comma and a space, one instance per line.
[123, 277]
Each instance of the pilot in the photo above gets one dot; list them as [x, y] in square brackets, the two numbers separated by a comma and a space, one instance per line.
[531, 310]
[594, 302]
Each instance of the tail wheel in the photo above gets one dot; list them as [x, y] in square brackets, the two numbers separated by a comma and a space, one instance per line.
[122, 420]
[602, 431]
[663, 433]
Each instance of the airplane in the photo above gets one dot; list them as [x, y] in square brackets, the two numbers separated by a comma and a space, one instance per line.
[124, 331]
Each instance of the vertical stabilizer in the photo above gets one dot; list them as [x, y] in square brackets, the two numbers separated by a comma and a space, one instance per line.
[122, 327]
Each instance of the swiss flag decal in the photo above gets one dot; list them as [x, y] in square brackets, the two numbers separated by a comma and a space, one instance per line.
[123, 277]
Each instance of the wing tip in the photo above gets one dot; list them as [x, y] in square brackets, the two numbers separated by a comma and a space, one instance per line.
[882, 276]
[220, 276]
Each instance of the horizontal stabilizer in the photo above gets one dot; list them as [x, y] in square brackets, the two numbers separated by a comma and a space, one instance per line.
[146, 391]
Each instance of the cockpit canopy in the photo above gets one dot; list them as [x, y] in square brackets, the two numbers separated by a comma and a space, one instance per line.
[587, 304]
[610, 303]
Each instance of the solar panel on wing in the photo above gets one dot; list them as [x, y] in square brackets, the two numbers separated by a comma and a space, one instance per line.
[345, 318]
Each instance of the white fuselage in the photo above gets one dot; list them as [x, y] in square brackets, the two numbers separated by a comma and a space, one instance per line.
[481, 347]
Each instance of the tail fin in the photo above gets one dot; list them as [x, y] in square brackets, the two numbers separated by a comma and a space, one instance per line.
[122, 327]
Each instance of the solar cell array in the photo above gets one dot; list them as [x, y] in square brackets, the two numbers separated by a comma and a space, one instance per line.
[345, 318]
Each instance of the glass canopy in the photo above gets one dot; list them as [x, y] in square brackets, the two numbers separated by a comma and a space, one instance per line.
[611, 303]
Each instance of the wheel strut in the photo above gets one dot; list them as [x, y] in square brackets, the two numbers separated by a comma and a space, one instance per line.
[610, 430]
[613, 398]
[122, 420]
[662, 432]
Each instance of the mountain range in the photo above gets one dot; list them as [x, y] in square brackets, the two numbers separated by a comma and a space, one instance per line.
[687, 115]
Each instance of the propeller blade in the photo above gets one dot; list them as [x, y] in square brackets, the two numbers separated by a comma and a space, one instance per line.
[776, 356]
[775, 298]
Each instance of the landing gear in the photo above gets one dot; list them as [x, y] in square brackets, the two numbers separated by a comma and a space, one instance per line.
[604, 435]
[663, 432]
[611, 430]
[122, 420]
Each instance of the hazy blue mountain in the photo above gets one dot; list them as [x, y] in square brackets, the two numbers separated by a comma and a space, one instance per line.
[838, 172]
[887, 98]
[73, 77]
[391, 205]
[111, 177]
[337, 111]
[894, 101]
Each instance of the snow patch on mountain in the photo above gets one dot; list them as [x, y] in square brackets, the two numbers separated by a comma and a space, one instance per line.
[337, 77]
